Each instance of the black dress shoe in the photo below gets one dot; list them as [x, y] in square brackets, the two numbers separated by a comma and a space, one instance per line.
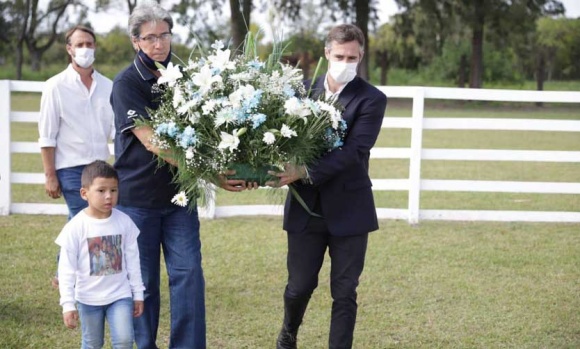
[286, 340]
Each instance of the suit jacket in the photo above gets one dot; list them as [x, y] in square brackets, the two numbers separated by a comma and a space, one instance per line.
[340, 178]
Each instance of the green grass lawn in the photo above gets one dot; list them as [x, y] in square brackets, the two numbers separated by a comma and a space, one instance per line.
[437, 285]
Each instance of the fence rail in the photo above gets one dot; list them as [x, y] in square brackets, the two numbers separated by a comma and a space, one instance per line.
[414, 184]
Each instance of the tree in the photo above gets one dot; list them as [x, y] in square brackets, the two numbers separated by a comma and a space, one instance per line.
[558, 41]
[365, 14]
[104, 4]
[499, 16]
[7, 29]
[44, 28]
[382, 44]
[239, 22]
[202, 19]
[37, 29]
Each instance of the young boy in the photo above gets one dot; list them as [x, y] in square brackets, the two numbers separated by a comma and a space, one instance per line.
[86, 277]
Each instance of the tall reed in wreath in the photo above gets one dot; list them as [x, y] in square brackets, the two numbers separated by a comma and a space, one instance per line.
[220, 112]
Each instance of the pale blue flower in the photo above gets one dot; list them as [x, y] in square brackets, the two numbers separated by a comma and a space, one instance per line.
[288, 91]
[167, 128]
[255, 64]
[187, 138]
[257, 120]
[172, 129]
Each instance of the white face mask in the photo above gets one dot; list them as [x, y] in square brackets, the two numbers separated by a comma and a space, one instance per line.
[84, 56]
[342, 72]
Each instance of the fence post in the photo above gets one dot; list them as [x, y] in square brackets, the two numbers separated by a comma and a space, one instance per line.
[5, 194]
[415, 159]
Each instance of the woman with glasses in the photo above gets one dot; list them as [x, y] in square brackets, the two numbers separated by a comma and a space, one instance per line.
[146, 190]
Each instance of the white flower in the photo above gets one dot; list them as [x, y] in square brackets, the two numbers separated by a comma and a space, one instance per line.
[205, 79]
[269, 138]
[208, 107]
[242, 93]
[170, 74]
[295, 107]
[217, 45]
[333, 113]
[180, 199]
[224, 116]
[221, 60]
[194, 117]
[287, 131]
[229, 141]
[189, 153]
[243, 76]
[177, 97]
[290, 74]
[184, 108]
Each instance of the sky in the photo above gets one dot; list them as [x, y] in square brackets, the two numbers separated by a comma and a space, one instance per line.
[104, 21]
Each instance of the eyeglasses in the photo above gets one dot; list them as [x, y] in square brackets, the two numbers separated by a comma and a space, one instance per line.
[152, 39]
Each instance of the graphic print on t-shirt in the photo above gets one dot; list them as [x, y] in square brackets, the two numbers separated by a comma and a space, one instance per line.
[106, 254]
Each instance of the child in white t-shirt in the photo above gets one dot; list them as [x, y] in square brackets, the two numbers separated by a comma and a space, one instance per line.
[101, 284]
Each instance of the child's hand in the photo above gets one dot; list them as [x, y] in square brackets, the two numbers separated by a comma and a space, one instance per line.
[71, 319]
[137, 308]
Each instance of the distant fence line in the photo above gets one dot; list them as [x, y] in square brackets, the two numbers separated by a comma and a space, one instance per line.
[414, 185]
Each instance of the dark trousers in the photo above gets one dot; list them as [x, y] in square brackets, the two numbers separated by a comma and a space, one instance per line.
[306, 252]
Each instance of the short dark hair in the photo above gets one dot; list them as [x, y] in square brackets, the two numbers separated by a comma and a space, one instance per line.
[95, 169]
[81, 28]
[345, 33]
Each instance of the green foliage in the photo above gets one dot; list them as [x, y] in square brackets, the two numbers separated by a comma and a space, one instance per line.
[560, 39]
[499, 65]
[115, 48]
[509, 47]
[446, 66]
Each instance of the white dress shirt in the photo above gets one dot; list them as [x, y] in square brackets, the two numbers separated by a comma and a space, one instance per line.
[76, 121]
[329, 94]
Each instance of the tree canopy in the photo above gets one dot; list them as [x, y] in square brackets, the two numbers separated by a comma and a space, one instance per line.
[463, 41]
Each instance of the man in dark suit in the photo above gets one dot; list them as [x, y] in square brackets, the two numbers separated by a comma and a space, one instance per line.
[339, 209]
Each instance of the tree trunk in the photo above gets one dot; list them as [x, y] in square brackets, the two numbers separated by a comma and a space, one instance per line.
[131, 4]
[22, 37]
[362, 21]
[462, 69]
[476, 72]
[35, 58]
[383, 60]
[239, 23]
[19, 60]
[540, 74]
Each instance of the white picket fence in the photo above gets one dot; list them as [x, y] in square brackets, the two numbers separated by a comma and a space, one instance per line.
[414, 185]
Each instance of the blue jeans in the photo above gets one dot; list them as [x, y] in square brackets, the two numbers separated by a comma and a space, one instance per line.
[176, 230]
[69, 180]
[119, 315]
